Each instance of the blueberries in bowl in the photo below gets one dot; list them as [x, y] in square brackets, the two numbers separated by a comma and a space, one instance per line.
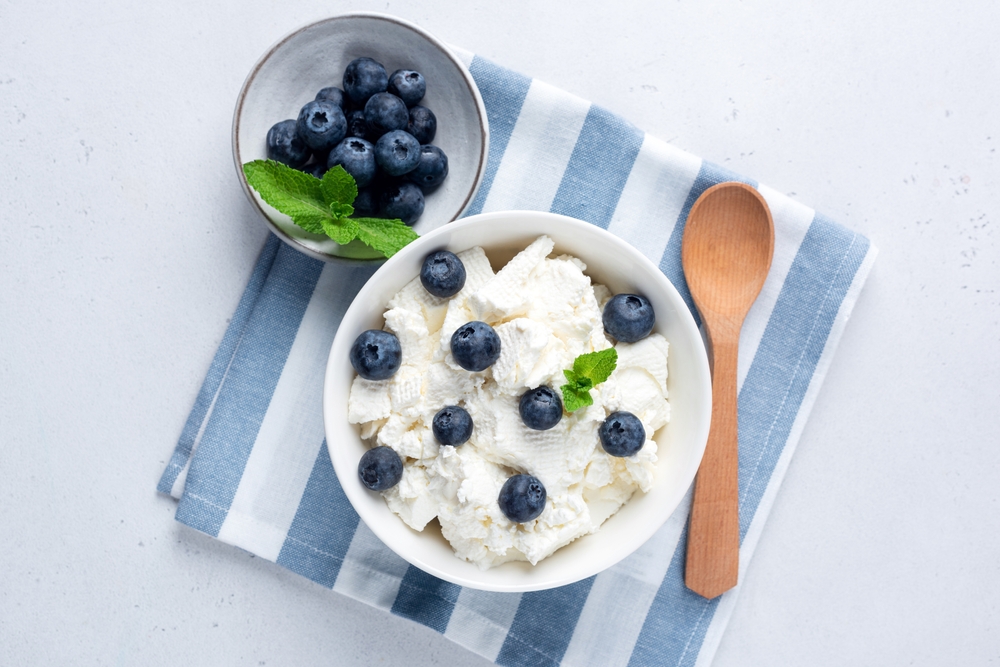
[408, 86]
[357, 157]
[442, 274]
[376, 354]
[321, 125]
[540, 408]
[374, 129]
[397, 152]
[475, 346]
[522, 498]
[628, 317]
[363, 78]
[432, 168]
[285, 146]
[452, 425]
[622, 434]
[422, 125]
[403, 201]
[380, 469]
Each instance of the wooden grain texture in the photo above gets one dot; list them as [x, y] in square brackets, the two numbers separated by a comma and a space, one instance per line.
[726, 254]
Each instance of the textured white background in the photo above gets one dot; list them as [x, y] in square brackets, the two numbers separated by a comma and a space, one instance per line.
[125, 242]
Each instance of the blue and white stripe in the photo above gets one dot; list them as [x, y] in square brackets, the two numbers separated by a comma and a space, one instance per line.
[251, 467]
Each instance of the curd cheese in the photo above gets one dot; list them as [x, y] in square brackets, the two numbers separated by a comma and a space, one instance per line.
[546, 312]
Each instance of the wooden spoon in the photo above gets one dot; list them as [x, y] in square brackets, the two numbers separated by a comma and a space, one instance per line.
[726, 253]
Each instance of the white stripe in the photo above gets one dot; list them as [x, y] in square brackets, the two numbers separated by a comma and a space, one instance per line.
[538, 151]
[291, 433]
[728, 602]
[178, 488]
[481, 620]
[619, 600]
[654, 196]
[791, 222]
[371, 573]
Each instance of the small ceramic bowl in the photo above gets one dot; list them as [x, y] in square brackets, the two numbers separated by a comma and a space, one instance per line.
[681, 443]
[313, 57]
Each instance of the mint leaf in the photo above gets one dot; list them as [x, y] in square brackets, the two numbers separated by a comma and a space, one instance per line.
[598, 366]
[386, 236]
[342, 231]
[574, 399]
[324, 206]
[294, 193]
[589, 370]
[339, 187]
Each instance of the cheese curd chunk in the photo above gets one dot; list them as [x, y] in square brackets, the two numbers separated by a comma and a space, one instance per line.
[546, 312]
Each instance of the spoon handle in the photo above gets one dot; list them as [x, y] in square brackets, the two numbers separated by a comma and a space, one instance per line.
[713, 549]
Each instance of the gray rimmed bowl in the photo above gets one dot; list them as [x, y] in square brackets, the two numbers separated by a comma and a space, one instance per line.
[295, 68]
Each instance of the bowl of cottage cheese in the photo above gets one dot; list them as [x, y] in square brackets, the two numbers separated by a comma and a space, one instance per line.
[540, 281]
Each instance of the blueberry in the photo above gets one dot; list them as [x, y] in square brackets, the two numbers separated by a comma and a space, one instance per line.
[522, 498]
[332, 94]
[357, 157]
[443, 274]
[397, 153]
[408, 86]
[357, 126]
[475, 346]
[363, 78]
[376, 355]
[628, 317]
[452, 425]
[432, 168]
[422, 124]
[321, 125]
[380, 469]
[285, 146]
[316, 169]
[403, 201]
[540, 408]
[366, 203]
[622, 434]
[385, 112]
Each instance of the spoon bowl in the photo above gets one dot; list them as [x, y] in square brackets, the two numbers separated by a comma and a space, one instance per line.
[726, 254]
[727, 249]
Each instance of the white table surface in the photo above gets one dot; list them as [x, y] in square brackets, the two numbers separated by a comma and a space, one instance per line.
[125, 242]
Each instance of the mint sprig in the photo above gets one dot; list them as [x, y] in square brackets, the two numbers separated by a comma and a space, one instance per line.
[589, 370]
[324, 206]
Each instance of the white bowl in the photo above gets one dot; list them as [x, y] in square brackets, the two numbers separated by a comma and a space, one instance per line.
[681, 443]
[313, 57]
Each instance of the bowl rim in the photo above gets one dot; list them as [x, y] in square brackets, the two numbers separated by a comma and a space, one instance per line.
[332, 412]
[481, 117]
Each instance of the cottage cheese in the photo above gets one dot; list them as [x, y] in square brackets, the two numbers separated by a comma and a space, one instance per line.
[546, 312]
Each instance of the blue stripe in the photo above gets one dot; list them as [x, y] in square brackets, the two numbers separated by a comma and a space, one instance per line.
[242, 402]
[323, 527]
[599, 167]
[220, 363]
[793, 341]
[503, 94]
[426, 599]
[543, 625]
[709, 175]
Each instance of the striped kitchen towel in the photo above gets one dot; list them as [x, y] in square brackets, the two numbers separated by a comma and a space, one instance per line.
[252, 468]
